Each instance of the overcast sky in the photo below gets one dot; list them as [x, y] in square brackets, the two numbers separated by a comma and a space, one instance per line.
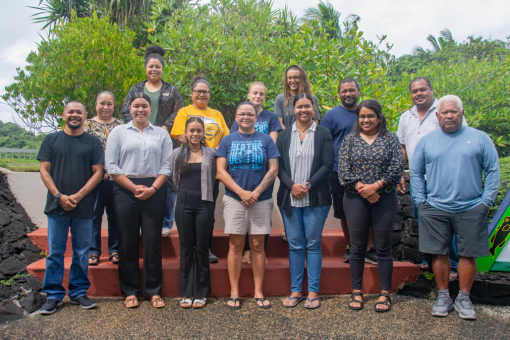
[406, 24]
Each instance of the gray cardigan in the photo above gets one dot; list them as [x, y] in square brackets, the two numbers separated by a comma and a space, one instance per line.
[208, 175]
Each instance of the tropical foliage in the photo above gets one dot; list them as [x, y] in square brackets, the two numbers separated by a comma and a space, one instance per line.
[236, 42]
[86, 56]
[13, 136]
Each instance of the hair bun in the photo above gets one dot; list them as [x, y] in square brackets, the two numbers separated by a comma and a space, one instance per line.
[196, 78]
[155, 49]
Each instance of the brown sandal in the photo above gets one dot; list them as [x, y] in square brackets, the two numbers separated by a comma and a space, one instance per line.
[131, 302]
[155, 301]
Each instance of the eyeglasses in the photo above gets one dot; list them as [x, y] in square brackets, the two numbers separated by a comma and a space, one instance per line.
[201, 92]
[293, 78]
[369, 117]
[249, 115]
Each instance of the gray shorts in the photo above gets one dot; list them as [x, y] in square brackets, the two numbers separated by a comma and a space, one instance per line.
[241, 220]
[437, 228]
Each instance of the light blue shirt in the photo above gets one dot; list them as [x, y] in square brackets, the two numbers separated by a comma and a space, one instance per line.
[454, 165]
[138, 155]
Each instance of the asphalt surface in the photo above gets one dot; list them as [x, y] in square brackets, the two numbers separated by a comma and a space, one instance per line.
[409, 319]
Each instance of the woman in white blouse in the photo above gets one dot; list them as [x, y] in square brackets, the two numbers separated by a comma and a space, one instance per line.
[138, 158]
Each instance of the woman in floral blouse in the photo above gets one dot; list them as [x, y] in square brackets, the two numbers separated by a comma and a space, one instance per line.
[101, 126]
[370, 166]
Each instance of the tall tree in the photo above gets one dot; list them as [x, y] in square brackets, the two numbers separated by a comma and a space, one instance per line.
[329, 18]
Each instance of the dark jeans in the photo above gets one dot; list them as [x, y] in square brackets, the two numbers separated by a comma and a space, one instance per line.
[194, 219]
[104, 200]
[131, 214]
[58, 231]
[360, 216]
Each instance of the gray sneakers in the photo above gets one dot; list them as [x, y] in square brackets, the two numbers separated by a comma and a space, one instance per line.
[443, 305]
[464, 306]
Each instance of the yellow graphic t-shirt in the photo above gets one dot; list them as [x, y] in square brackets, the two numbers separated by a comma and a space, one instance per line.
[215, 126]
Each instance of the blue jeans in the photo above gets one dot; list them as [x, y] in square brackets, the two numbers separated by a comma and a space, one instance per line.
[304, 232]
[104, 200]
[58, 229]
[169, 218]
[454, 257]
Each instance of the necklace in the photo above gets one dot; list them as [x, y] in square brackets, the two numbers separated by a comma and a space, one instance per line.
[303, 130]
[375, 133]
[195, 151]
[246, 140]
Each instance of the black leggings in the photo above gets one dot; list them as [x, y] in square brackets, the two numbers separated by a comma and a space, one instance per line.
[360, 215]
[194, 219]
[131, 214]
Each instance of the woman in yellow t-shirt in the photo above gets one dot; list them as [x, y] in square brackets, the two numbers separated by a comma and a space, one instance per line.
[215, 126]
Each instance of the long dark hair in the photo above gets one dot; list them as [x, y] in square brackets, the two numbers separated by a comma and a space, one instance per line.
[181, 162]
[373, 105]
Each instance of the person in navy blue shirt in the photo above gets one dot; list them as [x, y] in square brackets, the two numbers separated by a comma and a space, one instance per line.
[247, 163]
[340, 122]
[267, 123]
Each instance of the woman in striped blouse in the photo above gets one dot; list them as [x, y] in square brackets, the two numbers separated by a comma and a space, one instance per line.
[304, 199]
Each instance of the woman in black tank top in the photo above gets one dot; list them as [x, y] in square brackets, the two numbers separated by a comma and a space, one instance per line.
[193, 174]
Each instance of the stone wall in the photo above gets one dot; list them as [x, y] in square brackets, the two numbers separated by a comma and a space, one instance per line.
[405, 230]
[19, 291]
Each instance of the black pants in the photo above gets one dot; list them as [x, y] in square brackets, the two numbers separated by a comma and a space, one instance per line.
[194, 219]
[131, 214]
[360, 216]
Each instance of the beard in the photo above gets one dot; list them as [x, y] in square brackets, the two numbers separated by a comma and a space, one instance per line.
[349, 103]
[74, 124]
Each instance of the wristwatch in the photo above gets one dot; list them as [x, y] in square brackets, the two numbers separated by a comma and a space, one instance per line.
[308, 185]
[57, 196]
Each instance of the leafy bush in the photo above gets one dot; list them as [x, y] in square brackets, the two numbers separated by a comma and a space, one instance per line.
[236, 42]
[482, 86]
[504, 186]
[83, 57]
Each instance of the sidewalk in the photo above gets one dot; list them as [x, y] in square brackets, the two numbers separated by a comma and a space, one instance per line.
[409, 319]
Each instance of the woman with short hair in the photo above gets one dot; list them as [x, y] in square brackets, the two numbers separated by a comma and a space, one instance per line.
[370, 166]
[267, 123]
[138, 159]
[193, 169]
[215, 127]
[247, 163]
[304, 197]
[100, 126]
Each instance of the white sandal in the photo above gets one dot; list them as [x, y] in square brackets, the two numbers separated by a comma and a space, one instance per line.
[186, 303]
[201, 303]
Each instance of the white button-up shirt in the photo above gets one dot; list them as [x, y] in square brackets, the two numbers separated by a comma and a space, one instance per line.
[301, 158]
[411, 130]
[136, 154]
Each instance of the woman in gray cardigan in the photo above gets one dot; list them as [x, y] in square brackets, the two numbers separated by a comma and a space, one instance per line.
[193, 169]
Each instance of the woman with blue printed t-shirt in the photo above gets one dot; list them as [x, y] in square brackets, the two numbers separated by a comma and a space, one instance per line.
[267, 123]
[247, 163]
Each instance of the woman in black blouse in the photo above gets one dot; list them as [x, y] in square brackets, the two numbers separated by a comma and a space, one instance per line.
[370, 166]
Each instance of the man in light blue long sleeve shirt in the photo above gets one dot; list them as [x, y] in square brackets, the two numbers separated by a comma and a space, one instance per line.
[454, 161]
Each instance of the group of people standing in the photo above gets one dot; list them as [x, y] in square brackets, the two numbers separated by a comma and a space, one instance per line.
[169, 158]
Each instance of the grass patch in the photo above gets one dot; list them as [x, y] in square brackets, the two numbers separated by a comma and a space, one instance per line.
[20, 165]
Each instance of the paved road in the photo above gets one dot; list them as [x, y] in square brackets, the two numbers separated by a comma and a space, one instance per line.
[409, 319]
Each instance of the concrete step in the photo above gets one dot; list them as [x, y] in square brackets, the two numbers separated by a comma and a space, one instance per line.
[335, 278]
[333, 243]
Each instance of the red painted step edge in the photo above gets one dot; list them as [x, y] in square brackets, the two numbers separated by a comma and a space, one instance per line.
[333, 243]
[335, 278]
